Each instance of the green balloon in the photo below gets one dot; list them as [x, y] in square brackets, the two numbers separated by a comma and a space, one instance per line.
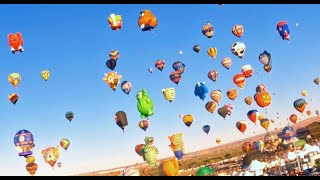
[205, 171]
[145, 104]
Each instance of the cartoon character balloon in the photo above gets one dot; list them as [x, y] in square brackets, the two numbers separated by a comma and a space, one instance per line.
[150, 152]
[238, 49]
[51, 155]
[115, 21]
[126, 87]
[16, 42]
[14, 79]
[265, 58]
[170, 167]
[145, 104]
[201, 90]
[177, 145]
[283, 30]
[112, 79]
[24, 142]
[147, 20]
[169, 94]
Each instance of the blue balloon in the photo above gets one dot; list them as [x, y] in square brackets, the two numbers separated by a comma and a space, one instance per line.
[200, 90]
[288, 133]
[25, 141]
[206, 129]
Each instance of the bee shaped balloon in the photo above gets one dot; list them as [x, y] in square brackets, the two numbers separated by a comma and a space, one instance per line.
[169, 94]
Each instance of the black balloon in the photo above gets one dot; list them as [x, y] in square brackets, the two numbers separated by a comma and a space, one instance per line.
[111, 64]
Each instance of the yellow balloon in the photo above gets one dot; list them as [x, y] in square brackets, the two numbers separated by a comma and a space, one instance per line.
[304, 93]
[30, 159]
[14, 79]
[260, 117]
[212, 52]
[45, 74]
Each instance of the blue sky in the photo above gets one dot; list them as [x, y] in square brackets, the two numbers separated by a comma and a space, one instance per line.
[73, 42]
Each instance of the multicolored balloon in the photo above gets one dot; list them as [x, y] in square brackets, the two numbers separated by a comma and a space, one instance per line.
[253, 116]
[114, 54]
[115, 21]
[248, 100]
[213, 75]
[196, 48]
[144, 124]
[126, 87]
[160, 64]
[175, 77]
[212, 52]
[188, 120]
[51, 155]
[216, 96]
[241, 126]
[179, 67]
[65, 143]
[14, 79]
[24, 142]
[265, 58]
[237, 30]
[239, 80]
[265, 123]
[283, 30]
[13, 98]
[226, 63]
[232, 94]
[208, 30]
[211, 106]
[247, 70]
[300, 104]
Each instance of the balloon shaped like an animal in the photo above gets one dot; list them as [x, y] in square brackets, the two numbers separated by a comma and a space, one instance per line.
[51, 155]
[177, 145]
[150, 152]
[145, 104]
[170, 167]
[147, 20]
[200, 90]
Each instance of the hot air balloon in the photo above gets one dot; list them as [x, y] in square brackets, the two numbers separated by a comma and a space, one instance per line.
[316, 81]
[226, 62]
[283, 30]
[265, 58]
[239, 80]
[24, 142]
[16, 42]
[260, 117]
[169, 94]
[261, 88]
[257, 145]
[263, 99]
[114, 54]
[177, 145]
[200, 90]
[272, 120]
[51, 155]
[265, 123]
[237, 30]
[147, 20]
[241, 126]
[139, 149]
[288, 134]
[204, 171]
[247, 70]
[188, 120]
[45, 74]
[232, 94]
[238, 49]
[216, 96]
[213, 75]
[211, 106]
[160, 64]
[317, 112]
[30, 159]
[59, 164]
[208, 30]
[129, 171]
[115, 21]
[112, 79]
[223, 111]
[212, 52]
[246, 147]
[14, 79]
[248, 100]
[309, 112]
[267, 68]
[170, 167]
[144, 124]
[111, 64]
[13, 98]
[179, 67]
[300, 104]
[253, 115]
[144, 104]
[175, 77]
[69, 115]
[196, 48]
[126, 87]
[65, 143]
[150, 70]
[121, 119]
[32, 168]
[218, 140]
[293, 118]
[304, 93]
[229, 108]
[206, 129]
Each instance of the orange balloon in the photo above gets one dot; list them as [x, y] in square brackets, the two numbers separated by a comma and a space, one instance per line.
[232, 94]
[170, 167]
[112, 79]
[237, 30]
[260, 117]
[248, 100]
[212, 52]
[239, 80]
[293, 118]
[263, 99]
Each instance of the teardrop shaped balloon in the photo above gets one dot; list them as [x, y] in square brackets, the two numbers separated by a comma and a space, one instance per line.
[59, 164]
[216, 96]
[253, 115]
[239, 80]
[260, 117]
[111, 64]
[211, 106]
[300, 104]
[160, 64]
[237, 30]
[246, 147]
[316, 81]
[293, 118]
[144, 124]
[45, 74]
[226, 62]
[213, 75]
[265, 123]
[13, 98]
[206, 129]
[257, 145]
[304, 93]
[241, 126]
[223, 111]
[139, 149]
[248, 100]
[150, 70]
[126, 87]
[261, 88]
[317, 112]
[175, 77]
[179, 67]
[208, 30]
[212, 52]
[218, 140]
[69, 115]
[232, 94]
[65, 143]
[14, 79]
[309, 112]
[267, 68]
[188, 120]
[196, 48]
[32, 168]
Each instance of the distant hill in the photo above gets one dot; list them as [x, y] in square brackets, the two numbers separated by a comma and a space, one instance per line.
[300, 126]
